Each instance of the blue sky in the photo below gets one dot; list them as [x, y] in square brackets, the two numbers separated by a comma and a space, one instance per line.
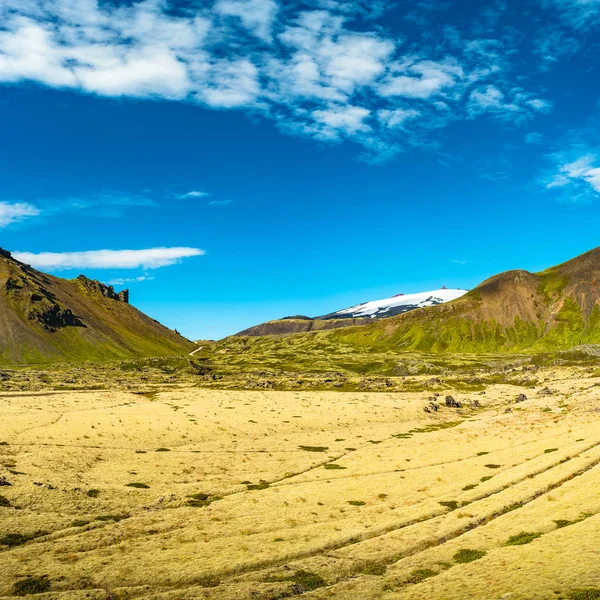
[234, 161]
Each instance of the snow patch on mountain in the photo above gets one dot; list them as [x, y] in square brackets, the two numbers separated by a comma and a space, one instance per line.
[389, 307]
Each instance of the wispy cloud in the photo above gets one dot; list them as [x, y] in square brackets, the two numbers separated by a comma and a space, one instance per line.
[553, 42]
[152, 258]
[220, 202]
[515, 106]
[534, 138]
[581, 14]
[105, 204]
[126, 280]
[256, 16]
[578, 180]
[321, 68]
[15, 212]
[193, 194]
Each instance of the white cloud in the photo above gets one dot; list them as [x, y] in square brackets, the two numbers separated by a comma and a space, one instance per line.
[581, 170]
[12, 213]
[194, 194]
[488, 98]
[421, 78]
[126, 280]
[320, 68]
[152, 258]
[141, 72]
[538, 104]
[397, 118]
[231, 84]
[256, 15]
[340, 119]
[515, 105]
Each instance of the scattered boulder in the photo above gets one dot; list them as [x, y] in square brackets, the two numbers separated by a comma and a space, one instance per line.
[546, 392]
[521, 398]
[452, 403]
[4, 482]
[508, 410]
[475, 404]
[426, 409]
[47, 486]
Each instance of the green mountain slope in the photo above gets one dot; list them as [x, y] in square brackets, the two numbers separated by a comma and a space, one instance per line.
[514, 311]
[44, 318]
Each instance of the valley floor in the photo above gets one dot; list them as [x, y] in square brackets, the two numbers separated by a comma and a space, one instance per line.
[219, 494]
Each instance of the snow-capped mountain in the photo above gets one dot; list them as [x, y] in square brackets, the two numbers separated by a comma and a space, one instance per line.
[361, 314]
[388, 307]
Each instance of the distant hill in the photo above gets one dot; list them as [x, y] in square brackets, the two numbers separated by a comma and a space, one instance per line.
[515, 310]
[45, 318]
[360, 314]
[299, 324]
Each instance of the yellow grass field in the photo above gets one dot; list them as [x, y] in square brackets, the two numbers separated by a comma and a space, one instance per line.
[268, 494]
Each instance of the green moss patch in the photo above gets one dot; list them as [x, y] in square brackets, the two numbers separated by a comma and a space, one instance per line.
[419, 575]
[31, 585]
[525, 537]
[467, 556]
[304, 581]
[451, 504]
[584, 594]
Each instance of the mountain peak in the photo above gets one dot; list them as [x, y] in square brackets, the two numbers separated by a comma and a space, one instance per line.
[396, 305]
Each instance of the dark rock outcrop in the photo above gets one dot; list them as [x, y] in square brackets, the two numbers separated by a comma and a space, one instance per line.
[108, 291]
[53, 316]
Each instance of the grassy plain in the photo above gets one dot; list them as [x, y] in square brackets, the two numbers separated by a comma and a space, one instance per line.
[159, 479]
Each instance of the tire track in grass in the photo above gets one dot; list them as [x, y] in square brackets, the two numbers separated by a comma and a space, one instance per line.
[325, 549]
[459, 532]
[386, 530]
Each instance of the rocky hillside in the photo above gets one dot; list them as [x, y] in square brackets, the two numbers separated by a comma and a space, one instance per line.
[516, 310]
[44, 318]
